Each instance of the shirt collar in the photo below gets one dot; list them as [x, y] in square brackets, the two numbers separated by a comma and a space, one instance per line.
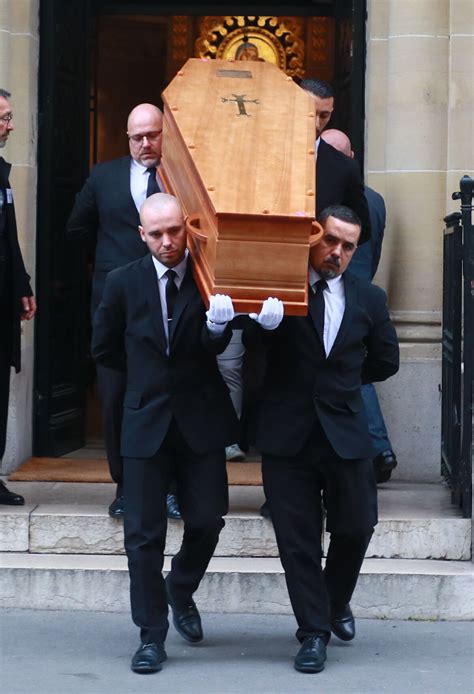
[180, 268]
[316, 144]
[333, 285]
[139, 167]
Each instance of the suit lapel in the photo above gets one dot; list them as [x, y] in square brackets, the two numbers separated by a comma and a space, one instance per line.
[350, 297]
[186, 292]
[152, 293]
[123, 184]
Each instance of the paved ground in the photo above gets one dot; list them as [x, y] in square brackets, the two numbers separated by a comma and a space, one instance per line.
[89, 653]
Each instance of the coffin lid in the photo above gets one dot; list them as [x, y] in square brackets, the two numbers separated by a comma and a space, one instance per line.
[250, 131]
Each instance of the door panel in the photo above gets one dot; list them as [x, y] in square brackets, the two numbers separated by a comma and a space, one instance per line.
[61, 271]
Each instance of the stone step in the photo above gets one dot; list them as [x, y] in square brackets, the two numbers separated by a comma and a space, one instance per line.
[416, 521]
[388, 588]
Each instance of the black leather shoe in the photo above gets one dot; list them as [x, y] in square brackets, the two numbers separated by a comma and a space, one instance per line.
[186, 617]
[172, 507]
[265, 510]
[343, 624]
[117, 508]
[148, 658]
[312, 655]
[384, 463]
[8, 497]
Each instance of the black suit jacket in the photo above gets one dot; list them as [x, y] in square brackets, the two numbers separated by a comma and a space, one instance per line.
[128, 335]
[301, 385]
[365, 260]
[105, 209]
[17, 277]
[338, 182]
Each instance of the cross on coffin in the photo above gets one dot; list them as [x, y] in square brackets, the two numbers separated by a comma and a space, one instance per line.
[240, 100]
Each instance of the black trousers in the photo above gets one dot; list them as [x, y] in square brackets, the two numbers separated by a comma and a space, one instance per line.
[5, 360]
[296, 489]
[111, 385]
[203, 497]
[5, 369]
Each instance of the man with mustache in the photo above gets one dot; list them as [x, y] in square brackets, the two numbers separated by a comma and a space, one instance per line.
[313, 434]
[364, 264]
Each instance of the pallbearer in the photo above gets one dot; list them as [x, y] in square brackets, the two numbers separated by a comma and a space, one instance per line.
[152, 325]
[313, 434]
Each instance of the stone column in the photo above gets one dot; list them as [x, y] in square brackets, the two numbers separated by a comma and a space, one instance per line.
[419, 100]
[19, 52]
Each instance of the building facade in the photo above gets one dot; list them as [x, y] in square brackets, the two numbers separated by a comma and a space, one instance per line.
[419, 99]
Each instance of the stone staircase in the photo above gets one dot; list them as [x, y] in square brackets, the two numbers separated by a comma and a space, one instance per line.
[62, 551]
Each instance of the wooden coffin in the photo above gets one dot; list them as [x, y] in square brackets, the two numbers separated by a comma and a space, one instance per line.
[238, 151]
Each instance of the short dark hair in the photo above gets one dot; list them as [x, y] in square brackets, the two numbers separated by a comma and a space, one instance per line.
[345, 214]
[4, 94]
[317, 88]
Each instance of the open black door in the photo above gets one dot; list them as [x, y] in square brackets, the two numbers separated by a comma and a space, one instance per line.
[349, 113]
[61, 325]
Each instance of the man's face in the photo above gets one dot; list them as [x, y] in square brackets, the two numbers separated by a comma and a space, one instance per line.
[331, 256]
[145, 127]
[323, 109]
[6, 126]
[164, 232]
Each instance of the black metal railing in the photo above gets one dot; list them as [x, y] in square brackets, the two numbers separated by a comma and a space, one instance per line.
[458, 350]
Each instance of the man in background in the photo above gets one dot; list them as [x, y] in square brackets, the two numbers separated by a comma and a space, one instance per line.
[17, 302]
[107, 208]
[364, 264]
[338, 179]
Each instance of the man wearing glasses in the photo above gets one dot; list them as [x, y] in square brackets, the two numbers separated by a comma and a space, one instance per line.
[107, 209]
[17, 302]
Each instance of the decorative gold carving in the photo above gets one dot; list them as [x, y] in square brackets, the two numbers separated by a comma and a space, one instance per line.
[290, 30]
[274, 39]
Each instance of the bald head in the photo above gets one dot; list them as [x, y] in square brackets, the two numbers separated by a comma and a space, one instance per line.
[141, 113]
[159, 203]
[144, 130]
[338, 140]
[163, 228]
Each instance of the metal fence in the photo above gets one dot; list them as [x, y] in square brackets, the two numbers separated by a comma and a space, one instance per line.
[458, 349]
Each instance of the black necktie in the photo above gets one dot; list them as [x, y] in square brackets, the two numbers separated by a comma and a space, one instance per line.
[152, 186]
[318, 306]
[171, 292]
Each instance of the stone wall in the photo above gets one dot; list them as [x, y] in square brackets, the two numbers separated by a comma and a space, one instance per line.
[19, 53]
[419, 106]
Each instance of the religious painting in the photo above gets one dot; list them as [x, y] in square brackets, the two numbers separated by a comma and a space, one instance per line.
[242, 44]
[277, 40]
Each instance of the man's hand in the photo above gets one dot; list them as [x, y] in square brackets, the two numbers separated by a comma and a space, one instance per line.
[271, 314]
[29, 307]
[220, 313]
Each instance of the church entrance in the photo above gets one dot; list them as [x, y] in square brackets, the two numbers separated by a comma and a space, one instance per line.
[98, 59]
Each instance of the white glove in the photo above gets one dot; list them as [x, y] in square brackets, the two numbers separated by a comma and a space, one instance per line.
[271, 314]
[219, 314]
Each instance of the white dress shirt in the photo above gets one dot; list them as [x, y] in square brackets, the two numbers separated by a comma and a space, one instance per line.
[161, 269]
[139, 177]
[335, 304]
